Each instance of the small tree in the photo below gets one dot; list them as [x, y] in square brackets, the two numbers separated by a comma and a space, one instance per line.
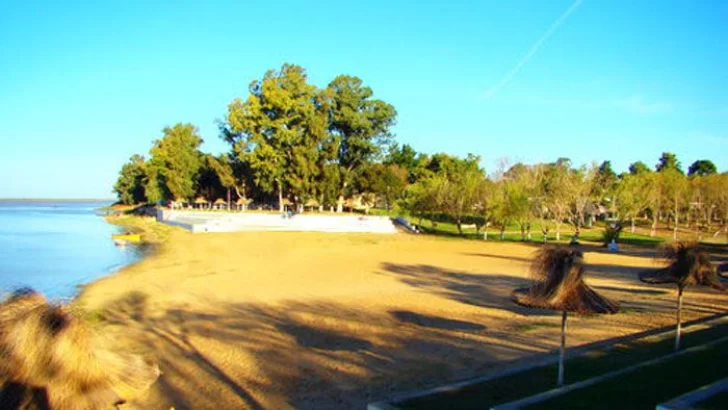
[558, 284]
[688, 265]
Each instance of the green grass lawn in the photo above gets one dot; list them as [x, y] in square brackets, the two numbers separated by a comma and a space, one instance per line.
[646, 387]
[530, 382]
[513, 233]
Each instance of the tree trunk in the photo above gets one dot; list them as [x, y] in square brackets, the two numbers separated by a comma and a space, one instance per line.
[503, 232]
[485, 233]
[228, 198]
[653, 228]
[679, 319]
[562, 351]
[632, 224]
[340, 204]
[674, 228]
[280, 198]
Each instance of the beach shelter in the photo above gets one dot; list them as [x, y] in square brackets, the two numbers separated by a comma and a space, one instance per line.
[220, 203]
[558, 284]
[311, 204]
[200, 202]
[179, 203]
[689, 265]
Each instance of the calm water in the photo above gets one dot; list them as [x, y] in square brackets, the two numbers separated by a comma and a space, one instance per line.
[55, 246]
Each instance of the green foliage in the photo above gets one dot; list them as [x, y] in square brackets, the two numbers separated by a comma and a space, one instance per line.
[279, 129]
[174, 164]
[668, 161]
[702, 167]
[404, 157]
[387, 181]
[638, 168]
[360, 125]
[605, 181]
[130, 185]
[290, 139]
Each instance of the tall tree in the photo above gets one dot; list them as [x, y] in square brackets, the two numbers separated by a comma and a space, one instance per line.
[605, 181]
[630, 198]
[668, 161]
[702, 167]
[174, 163]
[579, 187]
[130, 185]
[556, 191]
[360, 125]
[675, 191]
[279, 130]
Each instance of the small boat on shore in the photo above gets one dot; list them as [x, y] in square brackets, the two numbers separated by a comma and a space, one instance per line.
[126, 237]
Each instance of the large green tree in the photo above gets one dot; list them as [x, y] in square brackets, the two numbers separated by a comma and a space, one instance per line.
[359, 124]
[130, 185]
[279, 131]
[174, 164]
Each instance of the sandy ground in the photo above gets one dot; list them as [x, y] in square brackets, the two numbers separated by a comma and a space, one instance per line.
[267, 320]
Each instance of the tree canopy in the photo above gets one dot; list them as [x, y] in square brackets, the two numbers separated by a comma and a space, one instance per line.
[291, 142]
[702, 167]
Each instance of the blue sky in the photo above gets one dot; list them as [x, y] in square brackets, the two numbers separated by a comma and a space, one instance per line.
[84, 86]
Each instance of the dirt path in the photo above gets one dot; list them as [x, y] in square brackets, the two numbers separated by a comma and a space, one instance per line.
[333, 321]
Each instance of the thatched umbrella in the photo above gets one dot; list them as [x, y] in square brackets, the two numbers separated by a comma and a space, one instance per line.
[558, 284]
[219, 202]
[689, 265]
[200, 201]
[51, 359]
[241, 202]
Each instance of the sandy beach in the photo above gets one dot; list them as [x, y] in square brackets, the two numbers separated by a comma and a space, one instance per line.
[270, 320]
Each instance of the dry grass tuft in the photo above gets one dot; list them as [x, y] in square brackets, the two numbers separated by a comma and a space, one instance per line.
[51, 359]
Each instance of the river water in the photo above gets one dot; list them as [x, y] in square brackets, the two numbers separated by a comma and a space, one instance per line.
[54, 246]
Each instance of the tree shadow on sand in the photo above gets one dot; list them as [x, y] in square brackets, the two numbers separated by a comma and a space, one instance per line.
[304, 355]
[482, 290]
[435, 322]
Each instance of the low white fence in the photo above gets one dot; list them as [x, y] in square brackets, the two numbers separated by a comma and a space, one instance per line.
[234, 222]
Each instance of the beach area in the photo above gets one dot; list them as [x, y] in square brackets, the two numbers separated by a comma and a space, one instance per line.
[284, 320]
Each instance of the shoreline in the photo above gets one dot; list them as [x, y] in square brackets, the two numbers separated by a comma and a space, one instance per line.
[150, 245]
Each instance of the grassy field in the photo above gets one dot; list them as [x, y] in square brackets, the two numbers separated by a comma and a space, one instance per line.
[595, 363]
[646, 387]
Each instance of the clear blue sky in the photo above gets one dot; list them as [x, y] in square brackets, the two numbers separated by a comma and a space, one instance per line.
[85, 85]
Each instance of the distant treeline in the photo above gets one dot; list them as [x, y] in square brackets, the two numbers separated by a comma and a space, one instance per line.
[293, 143]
